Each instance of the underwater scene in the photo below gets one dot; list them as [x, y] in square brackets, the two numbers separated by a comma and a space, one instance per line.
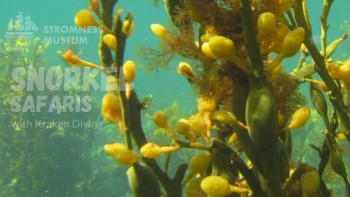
[175, 98]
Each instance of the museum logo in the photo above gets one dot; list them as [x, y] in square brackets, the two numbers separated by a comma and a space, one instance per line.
[68, 34]
[20, 31]
[21, 26]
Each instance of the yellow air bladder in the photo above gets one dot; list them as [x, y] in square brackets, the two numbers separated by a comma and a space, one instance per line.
[194, 188]
[205, 107]
[199, 163]
[290, 46]
[224, 48]
[160, 118]
[278, 37]
[340, 136]
[71, 58]
[266, 23]
[186, 70]
[198, 126]
[127, 157]
[128, 27]
[112, 110]
[115, 148]
[299, 118]
[226, 117]
[121, 153]
[129, 69]
[183, 127]
[310, 183]
[342, 72]
[152, 150]
[206, 50]
[219, 186]
[205, 38]
[111, 41]
[74, 60]
[159, 30]
[85, 19]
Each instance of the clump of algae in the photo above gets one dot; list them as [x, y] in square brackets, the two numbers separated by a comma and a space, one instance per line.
[287, 94]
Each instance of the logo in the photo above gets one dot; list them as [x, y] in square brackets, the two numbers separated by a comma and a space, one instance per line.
[21, 26]
[20, 31]
[71, 35]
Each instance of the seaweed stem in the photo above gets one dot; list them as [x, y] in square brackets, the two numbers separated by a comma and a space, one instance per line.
[306, 14]
[336, 97]
[131, 107]
[325, 12]
[251, 42]
[247, 173]
[118, 62]
[107, 20]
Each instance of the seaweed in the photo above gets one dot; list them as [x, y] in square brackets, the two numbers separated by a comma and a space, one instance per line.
[242, 90]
